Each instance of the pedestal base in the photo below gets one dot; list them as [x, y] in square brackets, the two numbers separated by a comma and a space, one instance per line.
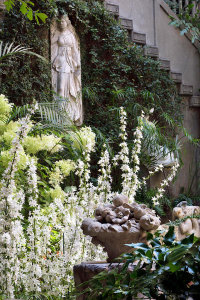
[86, 270]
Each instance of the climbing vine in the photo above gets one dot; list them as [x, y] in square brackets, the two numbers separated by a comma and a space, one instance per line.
[114, 71]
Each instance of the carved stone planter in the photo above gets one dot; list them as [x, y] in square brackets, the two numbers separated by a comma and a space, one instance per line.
[118, 224]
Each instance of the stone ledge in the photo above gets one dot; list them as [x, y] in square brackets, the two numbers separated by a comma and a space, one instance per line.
[85, 271]
[113, 8]
[186, 90]
[126, 23]
[164, 64]
[177, 77]
[151, 51]
[139, 38]
[195, 101]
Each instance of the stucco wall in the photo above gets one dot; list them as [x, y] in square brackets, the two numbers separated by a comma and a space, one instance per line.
[142, 15]
[189, 174]
[183, 55]
[152, 18]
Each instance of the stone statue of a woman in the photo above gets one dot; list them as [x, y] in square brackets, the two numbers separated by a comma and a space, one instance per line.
[66, 68]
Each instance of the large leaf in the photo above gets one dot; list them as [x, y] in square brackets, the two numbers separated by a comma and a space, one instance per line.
[169, 237]
[178, 253]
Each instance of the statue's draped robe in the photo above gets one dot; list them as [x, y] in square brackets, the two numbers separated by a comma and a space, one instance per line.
[66, 72]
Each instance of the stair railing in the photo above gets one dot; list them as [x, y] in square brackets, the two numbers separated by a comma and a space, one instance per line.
[179, 5]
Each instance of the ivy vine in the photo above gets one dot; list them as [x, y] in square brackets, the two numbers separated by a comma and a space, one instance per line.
[114, 71]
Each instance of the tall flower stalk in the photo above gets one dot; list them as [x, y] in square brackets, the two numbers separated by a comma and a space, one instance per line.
[104, 179]
[165, 183]
[12, 239]
[135, 158]
[40, 259]
[123, 156]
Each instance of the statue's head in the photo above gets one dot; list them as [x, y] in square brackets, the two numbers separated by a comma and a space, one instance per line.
[63, 22]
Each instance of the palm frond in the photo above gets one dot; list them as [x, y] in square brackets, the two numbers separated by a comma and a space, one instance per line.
[53, 113]
[9, 49]
[18, 112]
[50, 115]
[156, 146]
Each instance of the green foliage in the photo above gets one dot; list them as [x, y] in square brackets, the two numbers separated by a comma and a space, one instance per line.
[26, 10]
[114, 71]
[181, 198]
[25, 77]
[164, 268]
[188, 21]
[145, 196]
[9, 49]
[190, 199]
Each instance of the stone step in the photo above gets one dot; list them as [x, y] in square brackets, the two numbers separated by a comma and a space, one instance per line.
[177, 77]
[139, 38]
[2, 6]
[186, 90]
[126, 23]
[195, 101]
[113, 8]
[164, 64]
[151, 51]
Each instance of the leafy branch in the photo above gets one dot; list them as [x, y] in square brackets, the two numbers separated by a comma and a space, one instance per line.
[26, 9]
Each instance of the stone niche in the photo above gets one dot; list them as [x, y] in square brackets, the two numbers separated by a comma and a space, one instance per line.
[66, 68]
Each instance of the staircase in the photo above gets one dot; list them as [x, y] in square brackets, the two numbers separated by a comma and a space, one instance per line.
[140, 38]
[147, 25]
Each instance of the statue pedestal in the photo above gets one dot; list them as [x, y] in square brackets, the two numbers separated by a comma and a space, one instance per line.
[86, 270]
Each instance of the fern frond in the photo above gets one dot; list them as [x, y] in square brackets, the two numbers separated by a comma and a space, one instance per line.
[50, 115]
[9, 49]
[54, 114]
[18, 112]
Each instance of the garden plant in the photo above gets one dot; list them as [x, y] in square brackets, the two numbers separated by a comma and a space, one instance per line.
[41, 243]
[53, 175]
[163, 269]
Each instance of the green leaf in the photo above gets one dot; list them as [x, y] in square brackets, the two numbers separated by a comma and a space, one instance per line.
[23, 8]
[31, 3]
[149, 254]
[149, 236]
[183, 31]
[169, 237]
[178, 253]
[189, 240]
[138, 246]
[36, 19]
[9, 4]
[41, 16]
[173, 267]
[30, 14]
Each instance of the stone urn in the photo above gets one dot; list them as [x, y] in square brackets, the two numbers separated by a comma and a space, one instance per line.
[118, 224]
